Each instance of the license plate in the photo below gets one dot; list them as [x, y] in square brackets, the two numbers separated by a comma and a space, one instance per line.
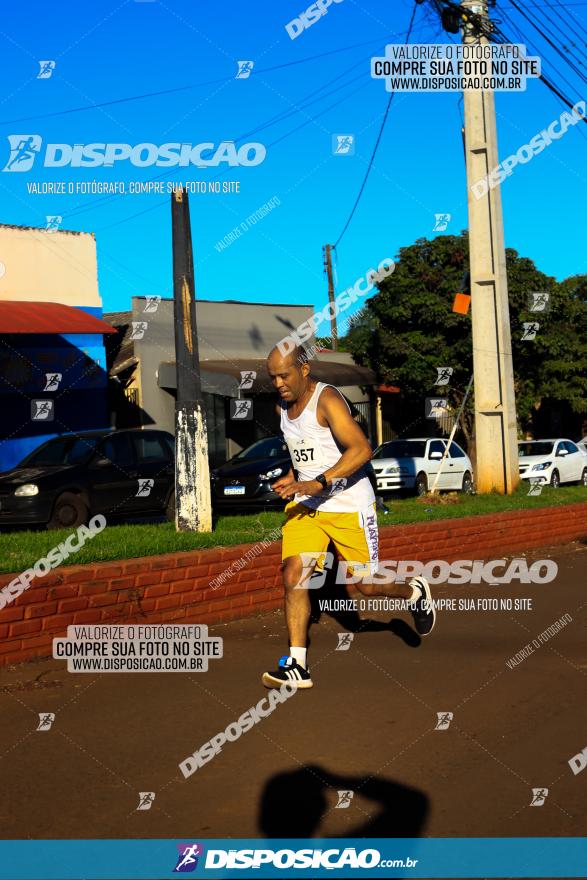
[234, 490]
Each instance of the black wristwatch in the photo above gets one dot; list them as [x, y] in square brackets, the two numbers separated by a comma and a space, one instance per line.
[322, 480]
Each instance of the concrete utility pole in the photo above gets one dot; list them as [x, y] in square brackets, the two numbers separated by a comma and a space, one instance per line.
[495, 404]
[192, 475]
[327, 251]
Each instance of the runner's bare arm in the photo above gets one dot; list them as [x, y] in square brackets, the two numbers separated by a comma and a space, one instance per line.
[347, 433]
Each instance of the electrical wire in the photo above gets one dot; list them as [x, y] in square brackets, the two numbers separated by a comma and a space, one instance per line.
[548, 40]
[300, 105]
[182, 88]
[563, 98]
[377, 142]
[225, 171]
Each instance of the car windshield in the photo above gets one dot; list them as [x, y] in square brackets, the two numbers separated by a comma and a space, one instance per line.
[402, 449]
[541, 447]
[269, 447]
[62, 450]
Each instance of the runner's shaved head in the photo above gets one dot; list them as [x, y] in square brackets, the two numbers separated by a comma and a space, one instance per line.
[296, 357]
[289, 372]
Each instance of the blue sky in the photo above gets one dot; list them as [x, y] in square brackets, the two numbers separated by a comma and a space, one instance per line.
[110, 50]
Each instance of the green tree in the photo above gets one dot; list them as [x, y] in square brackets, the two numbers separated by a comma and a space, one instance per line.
[408, 329]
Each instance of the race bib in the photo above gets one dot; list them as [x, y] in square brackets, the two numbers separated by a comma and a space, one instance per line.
[305, 453]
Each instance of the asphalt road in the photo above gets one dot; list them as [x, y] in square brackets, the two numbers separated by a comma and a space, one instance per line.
[368, 726]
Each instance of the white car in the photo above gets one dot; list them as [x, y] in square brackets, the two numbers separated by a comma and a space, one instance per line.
[552, 461]
[413, 464]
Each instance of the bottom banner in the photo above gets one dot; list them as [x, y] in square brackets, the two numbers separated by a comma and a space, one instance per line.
[255, 858]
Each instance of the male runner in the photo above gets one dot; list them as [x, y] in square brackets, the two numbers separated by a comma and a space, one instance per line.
[332, 501]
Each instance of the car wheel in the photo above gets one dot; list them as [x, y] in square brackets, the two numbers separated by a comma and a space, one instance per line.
[584, 477]
[69, 512]
[555, 479]
[170, 509]
[467, 486]
[421, 484]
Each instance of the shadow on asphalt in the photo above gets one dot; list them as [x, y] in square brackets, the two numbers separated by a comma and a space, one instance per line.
[351, 620]
[294, 803]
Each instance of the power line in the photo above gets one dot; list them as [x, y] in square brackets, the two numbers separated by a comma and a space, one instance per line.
[566, 35]
[548, 40]
[182, 88]
[225, 171]
[543, 77]
[379, 136]
[300, 106]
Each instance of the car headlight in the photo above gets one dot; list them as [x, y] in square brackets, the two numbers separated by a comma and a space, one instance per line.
[276, 472]
[27, 489]
[542, 466]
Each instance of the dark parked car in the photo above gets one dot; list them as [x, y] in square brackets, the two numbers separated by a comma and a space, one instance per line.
[244, 481]
[67, 480]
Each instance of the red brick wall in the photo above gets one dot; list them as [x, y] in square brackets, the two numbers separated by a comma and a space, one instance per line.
[176, 587]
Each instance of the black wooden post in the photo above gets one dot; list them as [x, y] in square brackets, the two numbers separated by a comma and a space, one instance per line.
[192, 474]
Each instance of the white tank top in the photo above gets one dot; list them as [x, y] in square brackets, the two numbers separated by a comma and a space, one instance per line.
[313, 450]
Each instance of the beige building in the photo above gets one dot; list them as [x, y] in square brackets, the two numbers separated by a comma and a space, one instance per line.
[49, 266]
